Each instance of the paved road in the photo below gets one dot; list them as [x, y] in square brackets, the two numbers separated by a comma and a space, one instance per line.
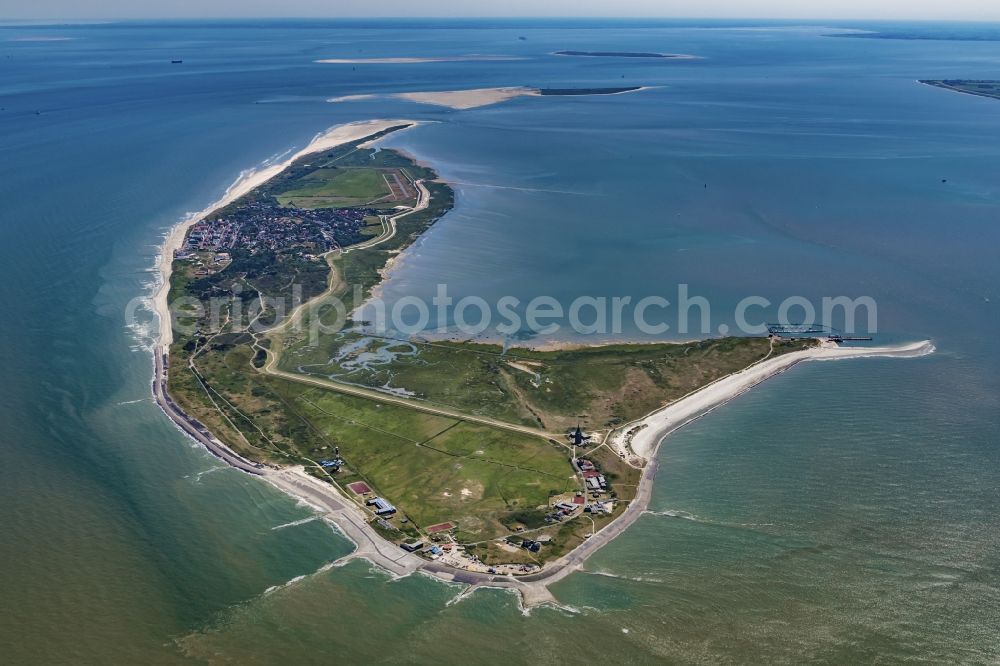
[372, 394]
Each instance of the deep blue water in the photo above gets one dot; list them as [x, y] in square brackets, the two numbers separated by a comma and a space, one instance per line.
[841, 513]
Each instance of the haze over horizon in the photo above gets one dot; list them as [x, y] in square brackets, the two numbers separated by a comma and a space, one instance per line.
[957, 10]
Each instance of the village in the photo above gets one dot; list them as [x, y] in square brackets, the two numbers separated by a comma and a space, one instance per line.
[438, 542]
[265, 226]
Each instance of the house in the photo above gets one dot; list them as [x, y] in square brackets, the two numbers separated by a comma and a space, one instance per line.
[381, 507]
[533, 546]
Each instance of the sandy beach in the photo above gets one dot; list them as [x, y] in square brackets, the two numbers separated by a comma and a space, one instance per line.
[648, 432]
[473, 97]
[247, 181]
[468, 99]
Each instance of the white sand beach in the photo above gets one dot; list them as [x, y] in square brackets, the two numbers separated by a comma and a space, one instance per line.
[247, 181]
[648, 432]
[468, 99]
[473, 97]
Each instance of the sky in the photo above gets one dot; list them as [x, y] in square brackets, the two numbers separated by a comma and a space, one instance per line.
[859, 9]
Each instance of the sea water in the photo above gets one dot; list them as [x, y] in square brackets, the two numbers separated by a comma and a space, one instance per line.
[841, 512]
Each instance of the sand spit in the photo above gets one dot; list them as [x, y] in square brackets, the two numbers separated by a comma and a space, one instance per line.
[475, 97]
[468, 99]
[642, 437]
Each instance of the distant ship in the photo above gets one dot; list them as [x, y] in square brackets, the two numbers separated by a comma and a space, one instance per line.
[176, 62]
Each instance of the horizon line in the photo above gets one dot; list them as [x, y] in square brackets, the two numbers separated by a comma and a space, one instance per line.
[444, 17]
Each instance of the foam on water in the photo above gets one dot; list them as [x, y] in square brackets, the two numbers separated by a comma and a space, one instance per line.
[296, 523]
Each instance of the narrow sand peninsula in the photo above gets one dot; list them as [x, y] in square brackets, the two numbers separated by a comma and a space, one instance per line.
[247, 181]
[648, 432]
[476, 97]
[468, 99]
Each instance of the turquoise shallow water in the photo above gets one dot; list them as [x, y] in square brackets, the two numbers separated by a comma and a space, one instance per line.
[840, 513]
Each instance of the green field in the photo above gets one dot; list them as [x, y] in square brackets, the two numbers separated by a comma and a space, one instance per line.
[606, 386]
[336, 188]
[434, 469]
[437, 469]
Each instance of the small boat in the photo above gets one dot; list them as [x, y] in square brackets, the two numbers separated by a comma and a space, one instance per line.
[176, 62]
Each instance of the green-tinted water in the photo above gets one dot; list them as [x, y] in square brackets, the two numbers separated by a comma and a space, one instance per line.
[841, 513]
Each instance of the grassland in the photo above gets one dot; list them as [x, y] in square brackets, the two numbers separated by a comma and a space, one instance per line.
[438, 469]
[604, 386]
[434, 469]
[337, 188]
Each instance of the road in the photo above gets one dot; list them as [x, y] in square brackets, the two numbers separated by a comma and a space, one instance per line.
[409, 403]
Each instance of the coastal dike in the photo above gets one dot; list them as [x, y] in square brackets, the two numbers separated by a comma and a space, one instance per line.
[636, 440]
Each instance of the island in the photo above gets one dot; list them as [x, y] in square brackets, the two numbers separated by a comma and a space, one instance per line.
[980, 87]
[477, 97]
[470, 461]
